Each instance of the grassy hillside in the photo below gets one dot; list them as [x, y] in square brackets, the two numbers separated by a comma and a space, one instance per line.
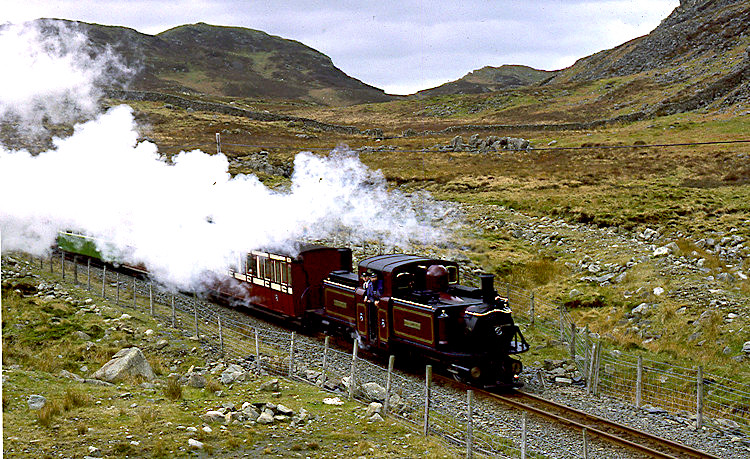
[489, 79]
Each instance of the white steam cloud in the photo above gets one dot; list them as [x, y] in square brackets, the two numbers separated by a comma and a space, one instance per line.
[183, 217]
[188, 217]
[50, 74]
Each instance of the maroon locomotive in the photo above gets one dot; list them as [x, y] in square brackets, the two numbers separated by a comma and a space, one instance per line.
[404, 304]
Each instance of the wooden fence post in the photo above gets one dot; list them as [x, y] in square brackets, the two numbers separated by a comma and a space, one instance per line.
[523, 435]
[470, 424]
[590, 381]
[257, 349]
[291, 356]
[352, 374]
[573, 343]
[387, 401]
[325, 357]
[104, 281]
[88, 274]
[427, 395]
[598, 366]
[585, 444]
[195, 315]
[221, 336]
[699, 400]
[75, 269]
[134, 297]
[532, 309]
[51, 259]
[639, 383]
[62, 262]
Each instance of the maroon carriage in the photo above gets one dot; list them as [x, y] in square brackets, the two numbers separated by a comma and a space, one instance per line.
[285, 285]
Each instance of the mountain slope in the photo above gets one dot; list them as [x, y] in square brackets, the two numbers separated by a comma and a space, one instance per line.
[489, 79]
[699, 55]
[227, 61]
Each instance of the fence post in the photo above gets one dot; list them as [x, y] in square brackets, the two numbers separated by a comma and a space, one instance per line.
[523, 435]
[532, 309]
[585, 444]
[151, 298]
[117, 280]
[427, 394]
[51, 259]
[352, 374]
[221, 336]
[699, 400]
[469, 424]
[41, 262]
[598, 366]
[291, 356]
[257, 349]
[104, 281]
[639, 383]
[62, 262]
[134, 297]
[386, 402]
[573, 343]
[174, 314]
[88, 274]
[195, 315]
[325, 357]
[590, 381]
[75, 269]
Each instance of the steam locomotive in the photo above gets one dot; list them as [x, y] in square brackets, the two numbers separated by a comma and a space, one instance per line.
[393, 304]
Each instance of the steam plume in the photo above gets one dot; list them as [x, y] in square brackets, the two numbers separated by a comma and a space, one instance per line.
[180, 218]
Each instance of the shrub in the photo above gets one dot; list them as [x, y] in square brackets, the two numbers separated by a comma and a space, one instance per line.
[173, 390]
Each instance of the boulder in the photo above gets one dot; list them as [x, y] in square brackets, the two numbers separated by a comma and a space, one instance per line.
[266, 417]
[196, 380]
[373, 391]
[83, 336]
[373, 408]
[232, 374]
[128, 362]
[746, 347]
[69, 375]
[36, 402]
[271, 386]
[213, 416]
[282, 410]
[195, 444]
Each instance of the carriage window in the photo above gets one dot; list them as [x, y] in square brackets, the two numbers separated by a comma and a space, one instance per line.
[252, 269]
[452, 274]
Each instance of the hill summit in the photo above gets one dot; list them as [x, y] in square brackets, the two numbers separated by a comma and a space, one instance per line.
[489, 79]
[226, 61]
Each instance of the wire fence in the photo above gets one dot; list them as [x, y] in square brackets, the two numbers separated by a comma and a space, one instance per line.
[266, 351]
[711, 400]
[707, 399]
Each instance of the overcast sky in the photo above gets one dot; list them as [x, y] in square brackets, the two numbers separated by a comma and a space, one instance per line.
[399, 46]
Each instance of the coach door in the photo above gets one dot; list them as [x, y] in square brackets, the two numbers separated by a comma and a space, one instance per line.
[382, 322]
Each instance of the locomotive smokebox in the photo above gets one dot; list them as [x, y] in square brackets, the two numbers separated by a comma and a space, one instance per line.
[488, 287]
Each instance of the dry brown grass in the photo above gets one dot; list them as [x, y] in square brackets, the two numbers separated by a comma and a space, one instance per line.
[172, 390]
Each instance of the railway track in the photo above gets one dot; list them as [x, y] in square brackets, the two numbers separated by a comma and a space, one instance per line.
[637, 440]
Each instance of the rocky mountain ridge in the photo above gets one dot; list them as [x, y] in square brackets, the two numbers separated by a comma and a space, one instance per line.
[489, 79]
[223, 61]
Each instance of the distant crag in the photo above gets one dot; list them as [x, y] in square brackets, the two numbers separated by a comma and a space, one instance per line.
[489, 79]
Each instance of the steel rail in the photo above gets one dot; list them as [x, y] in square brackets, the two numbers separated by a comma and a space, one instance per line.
[596, 426]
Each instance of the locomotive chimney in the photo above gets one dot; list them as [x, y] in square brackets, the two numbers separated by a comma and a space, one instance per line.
[488, 287]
